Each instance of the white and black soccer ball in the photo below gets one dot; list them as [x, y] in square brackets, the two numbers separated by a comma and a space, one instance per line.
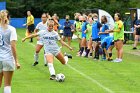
[60, 77]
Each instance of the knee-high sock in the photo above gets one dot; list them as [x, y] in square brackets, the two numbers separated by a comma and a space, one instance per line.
[104, 55]
[66, 59]
[51, 69]
[36, 57]
[87, 52]
[82, 49]
[7, 89]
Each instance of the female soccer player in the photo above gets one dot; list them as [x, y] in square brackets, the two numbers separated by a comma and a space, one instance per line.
[95, 35]
[40, 26]
[50, 38]
[107, 45]
[137, 35]
[118, 36]
[67, 30]
[102, 33]
[88, 36]
[8, 56]
[83, 29]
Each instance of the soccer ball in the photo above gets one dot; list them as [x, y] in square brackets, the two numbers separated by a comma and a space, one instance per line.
[60, 77]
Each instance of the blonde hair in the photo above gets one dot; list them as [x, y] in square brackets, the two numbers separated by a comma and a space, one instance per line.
[50, 22]
[95, 15]
[4, 20]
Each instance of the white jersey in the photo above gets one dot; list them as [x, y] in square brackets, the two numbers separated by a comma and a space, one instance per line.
[6, 36]
[41, 26]
[49, 40]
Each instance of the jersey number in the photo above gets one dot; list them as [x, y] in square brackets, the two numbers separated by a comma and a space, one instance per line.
[1, 40]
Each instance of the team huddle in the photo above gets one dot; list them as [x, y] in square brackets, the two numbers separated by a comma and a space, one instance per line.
[92, 35]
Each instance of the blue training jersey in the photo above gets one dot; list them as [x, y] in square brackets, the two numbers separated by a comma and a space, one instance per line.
[84, 27]
[104, 27]
[108, 40]
[95, 30]
[67, 27]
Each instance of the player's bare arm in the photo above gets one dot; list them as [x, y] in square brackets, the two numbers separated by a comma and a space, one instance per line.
[13, 47]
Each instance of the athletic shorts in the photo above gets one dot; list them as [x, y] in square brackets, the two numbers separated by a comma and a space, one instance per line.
[67, 34]
[31, 28]
[7, 66]
[39, 42]
[137, 32]
[118, 40]
[96, 40]
[52, 52]
[104, 45]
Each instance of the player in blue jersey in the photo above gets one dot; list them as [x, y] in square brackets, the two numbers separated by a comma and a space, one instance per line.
[102, 32]
[108, 44]
[95, 35]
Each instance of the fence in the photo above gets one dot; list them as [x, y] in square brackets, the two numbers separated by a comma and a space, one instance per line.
[18, 22]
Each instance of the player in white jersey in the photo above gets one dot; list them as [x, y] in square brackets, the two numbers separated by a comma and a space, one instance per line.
[8, 56]
[50, 38]
[40, 26]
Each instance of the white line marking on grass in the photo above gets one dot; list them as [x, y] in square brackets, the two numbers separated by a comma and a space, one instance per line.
[84, 75]
[91, 79]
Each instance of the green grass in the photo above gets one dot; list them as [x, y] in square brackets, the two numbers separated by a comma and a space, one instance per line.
[94, 76]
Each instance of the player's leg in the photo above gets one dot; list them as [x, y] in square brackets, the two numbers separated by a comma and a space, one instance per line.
[110, 52]
[8, 69]
[120, 48]
[1, 74]
[7, 81]
[89, 46]
[83, 46]
[96, 57]
[50, 58]
[36, 55]
[116, 46]
[136, 41]
[69, 40]
[79, 40]
[45, 61]
[104, 46]
[63, 59]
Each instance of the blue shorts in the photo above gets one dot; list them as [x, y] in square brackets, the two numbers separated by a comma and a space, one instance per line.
[96, 40]
[67, 34]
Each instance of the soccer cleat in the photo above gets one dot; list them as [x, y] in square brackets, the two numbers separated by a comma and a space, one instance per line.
[109, 59]
[134, 48]
[35, 64]
[117, 60]
[52, 77]
[45, 64]
[68, 55]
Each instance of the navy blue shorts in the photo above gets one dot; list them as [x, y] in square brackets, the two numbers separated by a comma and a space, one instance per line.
[67, 34]
[96, 40]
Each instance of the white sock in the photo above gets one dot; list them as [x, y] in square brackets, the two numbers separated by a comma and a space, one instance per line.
[36, 56]
[7, 89]
[51, 68]
[45, 61]
[66, 59]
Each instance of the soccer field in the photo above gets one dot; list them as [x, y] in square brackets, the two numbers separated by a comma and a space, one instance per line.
[83, 75]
